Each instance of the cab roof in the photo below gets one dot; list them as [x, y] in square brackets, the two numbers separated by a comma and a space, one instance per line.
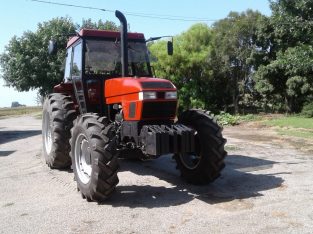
[103, 34]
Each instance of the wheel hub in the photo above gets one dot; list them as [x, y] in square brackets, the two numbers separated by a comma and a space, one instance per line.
[83, 158]
[192, 160]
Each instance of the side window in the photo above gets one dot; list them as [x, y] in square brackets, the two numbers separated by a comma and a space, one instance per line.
[77, 61]
[68, 61]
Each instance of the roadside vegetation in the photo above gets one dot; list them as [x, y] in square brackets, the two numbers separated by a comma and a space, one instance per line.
[226, 119]
[18, 111]
[286, 125]
[295, 126]
[292, 121]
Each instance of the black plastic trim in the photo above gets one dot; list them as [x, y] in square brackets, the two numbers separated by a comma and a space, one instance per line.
[152, 85]
[132, 110]
[166, 109]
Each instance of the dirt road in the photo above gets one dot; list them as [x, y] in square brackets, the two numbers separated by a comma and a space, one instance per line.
[266, 187]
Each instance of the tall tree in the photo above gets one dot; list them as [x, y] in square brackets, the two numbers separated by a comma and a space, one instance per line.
[285, 77]
[26, 63]
[233, 56]
[107, 25]
[188, 67]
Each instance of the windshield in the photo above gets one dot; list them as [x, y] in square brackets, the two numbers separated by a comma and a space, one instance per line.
[104, 57]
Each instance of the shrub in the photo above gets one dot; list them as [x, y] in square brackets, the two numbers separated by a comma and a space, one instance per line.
[307, 110]
[227, 119]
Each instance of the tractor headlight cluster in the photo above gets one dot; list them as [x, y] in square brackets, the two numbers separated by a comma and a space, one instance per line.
[147, 95]
[171, 95]
[150, 95]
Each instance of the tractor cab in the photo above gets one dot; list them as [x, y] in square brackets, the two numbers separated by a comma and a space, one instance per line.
[94, 56]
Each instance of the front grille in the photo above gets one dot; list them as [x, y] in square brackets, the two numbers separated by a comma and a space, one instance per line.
[154, 85]
[159, 109]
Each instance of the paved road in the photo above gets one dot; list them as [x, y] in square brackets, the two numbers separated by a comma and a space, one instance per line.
[266, 187]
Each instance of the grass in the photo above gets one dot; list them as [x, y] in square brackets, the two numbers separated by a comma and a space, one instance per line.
[296, 133]
[291, 121]
[295, 126]
[231, 147]
[18, 111]
[249, 118]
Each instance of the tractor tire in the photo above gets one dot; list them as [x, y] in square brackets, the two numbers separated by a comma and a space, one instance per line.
[95, 163]
[205, 164]
[57, 121]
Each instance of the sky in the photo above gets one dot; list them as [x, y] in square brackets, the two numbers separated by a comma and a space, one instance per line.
[18, 16]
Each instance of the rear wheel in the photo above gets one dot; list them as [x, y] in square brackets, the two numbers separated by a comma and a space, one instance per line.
[205, 164]
[93, 153]
[57, 120]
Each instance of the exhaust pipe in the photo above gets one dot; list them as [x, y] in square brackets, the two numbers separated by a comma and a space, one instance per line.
[124, 43]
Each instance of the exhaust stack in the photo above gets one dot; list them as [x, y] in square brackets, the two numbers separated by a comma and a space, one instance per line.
[124, 43]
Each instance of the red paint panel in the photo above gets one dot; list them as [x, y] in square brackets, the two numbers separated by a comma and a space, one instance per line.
[103, 34]
[64, 88]
[121, 86]
[125, 91]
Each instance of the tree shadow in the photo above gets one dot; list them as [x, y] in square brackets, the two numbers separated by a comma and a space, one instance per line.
[8, 136]
[236, 182]
[5, 153]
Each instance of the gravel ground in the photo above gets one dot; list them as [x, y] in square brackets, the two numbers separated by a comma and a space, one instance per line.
[266, 187]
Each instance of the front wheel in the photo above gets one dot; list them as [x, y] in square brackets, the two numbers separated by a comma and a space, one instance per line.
[94, 157]
[205, 164]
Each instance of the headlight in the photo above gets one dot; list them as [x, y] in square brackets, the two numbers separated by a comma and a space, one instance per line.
[171, 95]
[147, 95]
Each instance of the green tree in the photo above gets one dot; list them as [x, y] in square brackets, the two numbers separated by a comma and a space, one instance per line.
[107, 25]
[291, 22]
[26, 63]
[233, 56]
[188, 67]
[285, 76]
[289, 78]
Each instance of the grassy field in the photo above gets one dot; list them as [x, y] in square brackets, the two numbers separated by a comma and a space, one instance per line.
[292, 121]
[18, 111]
[293, 126]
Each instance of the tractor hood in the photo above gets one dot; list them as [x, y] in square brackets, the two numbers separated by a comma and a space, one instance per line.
[129, 85]
[142, 98]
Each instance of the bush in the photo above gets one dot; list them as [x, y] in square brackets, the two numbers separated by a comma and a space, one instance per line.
[249, 117]
[307, 110]
[227, 119]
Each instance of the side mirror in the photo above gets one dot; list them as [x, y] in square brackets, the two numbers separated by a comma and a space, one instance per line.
[170, 48]
[52, 47]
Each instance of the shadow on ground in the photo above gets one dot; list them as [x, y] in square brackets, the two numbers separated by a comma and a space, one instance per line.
[8, 136]
[236, 182]
[5, 153]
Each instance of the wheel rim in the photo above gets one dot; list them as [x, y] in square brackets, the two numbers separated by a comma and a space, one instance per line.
[83, 158]
[192, 160]
[47, 133]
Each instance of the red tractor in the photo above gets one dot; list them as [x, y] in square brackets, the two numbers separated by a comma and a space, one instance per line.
[109, 106]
